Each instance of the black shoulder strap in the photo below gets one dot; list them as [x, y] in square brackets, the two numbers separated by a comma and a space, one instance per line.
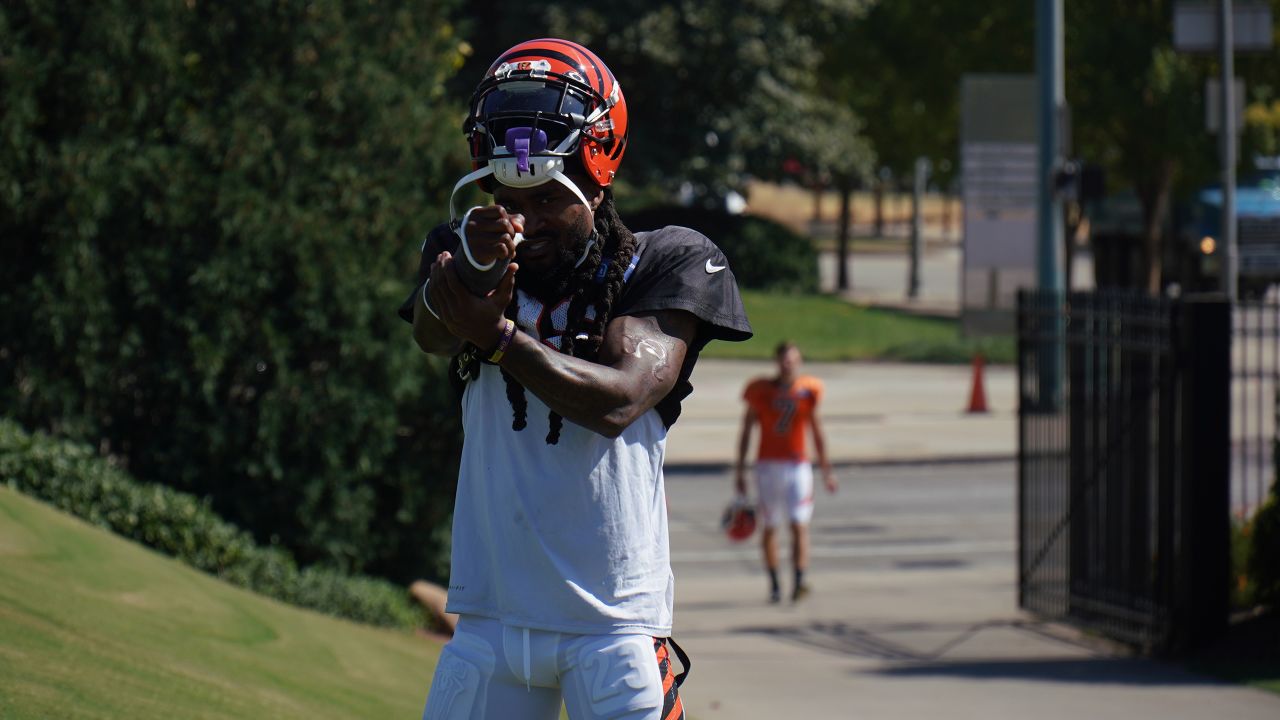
[684, 662]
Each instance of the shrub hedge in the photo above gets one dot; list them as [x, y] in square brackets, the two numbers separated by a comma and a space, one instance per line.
[763, 254]
[1264, 553]
[210, 213]
[74, 479]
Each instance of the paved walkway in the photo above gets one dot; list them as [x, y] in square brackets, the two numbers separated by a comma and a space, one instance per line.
[872, 412]
[914, 613]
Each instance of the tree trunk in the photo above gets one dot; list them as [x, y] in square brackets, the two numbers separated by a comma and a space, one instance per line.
[879, 232]
[846, 219]
[1154, 195]
[946, 216]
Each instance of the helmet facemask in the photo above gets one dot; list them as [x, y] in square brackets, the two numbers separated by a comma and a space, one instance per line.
[529, 115]
[525, 121]
[541, 103]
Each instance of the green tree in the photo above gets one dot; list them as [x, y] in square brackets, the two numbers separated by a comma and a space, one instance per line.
[1136, 104]
[1262, 127]
[716, 89]
[845, 158]
[1138, 109]
[1261, 135]
[209, 213]
[899, 69]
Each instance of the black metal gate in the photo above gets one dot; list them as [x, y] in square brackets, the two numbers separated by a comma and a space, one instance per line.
[1123, 464]
[1255, 405]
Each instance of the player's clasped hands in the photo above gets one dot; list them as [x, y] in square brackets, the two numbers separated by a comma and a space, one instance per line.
[478, 320]
[491, 233]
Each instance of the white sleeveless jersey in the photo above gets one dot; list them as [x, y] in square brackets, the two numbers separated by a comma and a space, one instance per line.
[569, 537]
[572, 537]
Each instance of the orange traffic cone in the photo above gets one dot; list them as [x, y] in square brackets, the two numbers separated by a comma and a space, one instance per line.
[978, 395]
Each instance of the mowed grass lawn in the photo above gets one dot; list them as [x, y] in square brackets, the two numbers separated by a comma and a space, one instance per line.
[94, 626]
[827, 328]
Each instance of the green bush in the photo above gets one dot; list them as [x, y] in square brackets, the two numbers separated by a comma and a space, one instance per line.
[763, 254]
[1264, 553]
[72, 478]
[210, 212]
[1243, 587]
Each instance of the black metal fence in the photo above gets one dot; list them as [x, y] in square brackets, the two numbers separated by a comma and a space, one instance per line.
[1123, 464]
[1255, 404]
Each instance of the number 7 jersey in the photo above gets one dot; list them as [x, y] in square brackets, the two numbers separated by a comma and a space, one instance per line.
[784, 414]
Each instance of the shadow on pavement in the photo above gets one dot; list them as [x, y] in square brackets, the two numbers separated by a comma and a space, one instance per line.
[921, 650]
[1089, 671]
[915, 641]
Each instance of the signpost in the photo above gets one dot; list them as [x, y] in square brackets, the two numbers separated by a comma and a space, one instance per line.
[1195, 25]
[999, 181]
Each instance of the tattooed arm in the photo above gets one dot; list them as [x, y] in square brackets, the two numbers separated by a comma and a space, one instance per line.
[639, 364]
[639, 361]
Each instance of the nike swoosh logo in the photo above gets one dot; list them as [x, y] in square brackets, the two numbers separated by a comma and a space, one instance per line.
[714, 268]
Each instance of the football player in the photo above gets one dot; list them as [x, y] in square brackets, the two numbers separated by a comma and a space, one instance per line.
[575, 339]
[785, 407]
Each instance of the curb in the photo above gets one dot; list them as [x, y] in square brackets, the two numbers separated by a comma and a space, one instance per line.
[702, 467]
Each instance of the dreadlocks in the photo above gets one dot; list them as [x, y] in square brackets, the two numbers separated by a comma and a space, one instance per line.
[589, 288]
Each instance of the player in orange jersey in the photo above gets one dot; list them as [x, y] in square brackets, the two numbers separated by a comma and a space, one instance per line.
[784, 406]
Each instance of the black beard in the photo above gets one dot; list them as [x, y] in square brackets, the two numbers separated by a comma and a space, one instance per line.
[552, 286]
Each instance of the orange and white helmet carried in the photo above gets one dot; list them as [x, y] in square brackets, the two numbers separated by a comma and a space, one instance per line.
[540, 103]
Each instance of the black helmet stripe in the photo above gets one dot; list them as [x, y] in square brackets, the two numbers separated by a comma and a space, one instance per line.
[617, 148]
[526, 52]
[586, 54]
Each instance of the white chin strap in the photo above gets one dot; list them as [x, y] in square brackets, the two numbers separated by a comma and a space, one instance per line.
[505, 171]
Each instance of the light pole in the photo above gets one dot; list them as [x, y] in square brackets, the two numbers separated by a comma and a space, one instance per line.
[1052, 95]
[1227, 137]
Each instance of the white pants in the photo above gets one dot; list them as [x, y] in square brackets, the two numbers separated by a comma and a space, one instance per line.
[785, 491]
[492, 671]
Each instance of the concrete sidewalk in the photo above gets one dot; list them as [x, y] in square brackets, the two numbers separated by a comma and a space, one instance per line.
[872, 413]
[914, 567]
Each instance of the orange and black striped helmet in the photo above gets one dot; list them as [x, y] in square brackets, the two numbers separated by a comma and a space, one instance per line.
[548, 98]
